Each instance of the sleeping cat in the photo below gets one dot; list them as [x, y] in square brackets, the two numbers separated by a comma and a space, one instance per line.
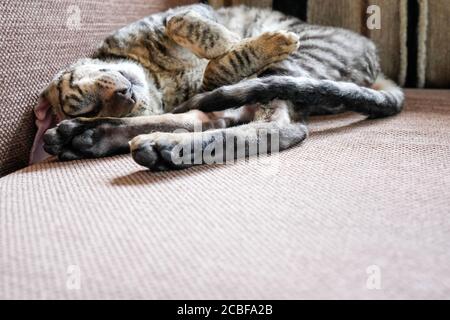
[232, 72]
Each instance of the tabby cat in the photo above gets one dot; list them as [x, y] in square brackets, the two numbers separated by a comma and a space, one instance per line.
[233, 72]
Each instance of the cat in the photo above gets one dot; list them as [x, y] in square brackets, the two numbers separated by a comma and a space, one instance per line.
[235, 72]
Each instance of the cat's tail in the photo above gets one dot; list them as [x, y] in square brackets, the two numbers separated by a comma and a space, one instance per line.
[384, 99]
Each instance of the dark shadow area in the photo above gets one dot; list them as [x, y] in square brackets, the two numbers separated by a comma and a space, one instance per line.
[145, 177]
[296, 8]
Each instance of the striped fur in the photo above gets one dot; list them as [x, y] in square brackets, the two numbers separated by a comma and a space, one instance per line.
[269, 67]
[307, 95]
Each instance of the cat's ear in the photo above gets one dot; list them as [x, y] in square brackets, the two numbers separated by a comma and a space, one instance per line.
[45, 119]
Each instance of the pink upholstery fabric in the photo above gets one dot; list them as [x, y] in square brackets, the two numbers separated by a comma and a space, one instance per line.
[305, 225]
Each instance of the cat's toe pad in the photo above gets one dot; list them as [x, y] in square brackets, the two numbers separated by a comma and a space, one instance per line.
[159, 151]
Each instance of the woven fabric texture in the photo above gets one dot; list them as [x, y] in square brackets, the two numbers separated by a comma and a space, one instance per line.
[306, 224]
[38, 38]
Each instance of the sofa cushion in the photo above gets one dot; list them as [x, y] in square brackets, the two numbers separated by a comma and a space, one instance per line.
[356, 197]
[38, 38]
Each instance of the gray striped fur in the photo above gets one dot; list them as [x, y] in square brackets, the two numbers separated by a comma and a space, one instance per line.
[269, 67]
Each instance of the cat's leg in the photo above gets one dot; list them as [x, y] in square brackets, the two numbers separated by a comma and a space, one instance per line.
[231, 59]
[100, 137]
[306, 94]
[163, 151]
[249, 57]
[200, 34]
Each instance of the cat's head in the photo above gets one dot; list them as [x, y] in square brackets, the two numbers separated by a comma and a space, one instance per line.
[96, 88]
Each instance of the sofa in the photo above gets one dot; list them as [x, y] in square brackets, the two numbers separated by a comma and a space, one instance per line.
[360, 210]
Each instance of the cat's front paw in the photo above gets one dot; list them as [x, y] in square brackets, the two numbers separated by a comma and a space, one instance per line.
[161, 151]
[84, 138]
[278, 44]
[204, 37]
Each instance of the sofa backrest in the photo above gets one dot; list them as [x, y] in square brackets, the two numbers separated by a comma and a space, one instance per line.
[38, 38]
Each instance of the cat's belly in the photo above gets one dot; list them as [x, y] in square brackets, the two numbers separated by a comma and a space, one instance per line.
[178, 87]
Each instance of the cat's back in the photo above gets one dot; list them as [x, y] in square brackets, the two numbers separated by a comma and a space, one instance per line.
[324, 52]
[252, 21]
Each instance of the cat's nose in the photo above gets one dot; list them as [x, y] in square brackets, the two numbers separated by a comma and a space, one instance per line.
[124, 94]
